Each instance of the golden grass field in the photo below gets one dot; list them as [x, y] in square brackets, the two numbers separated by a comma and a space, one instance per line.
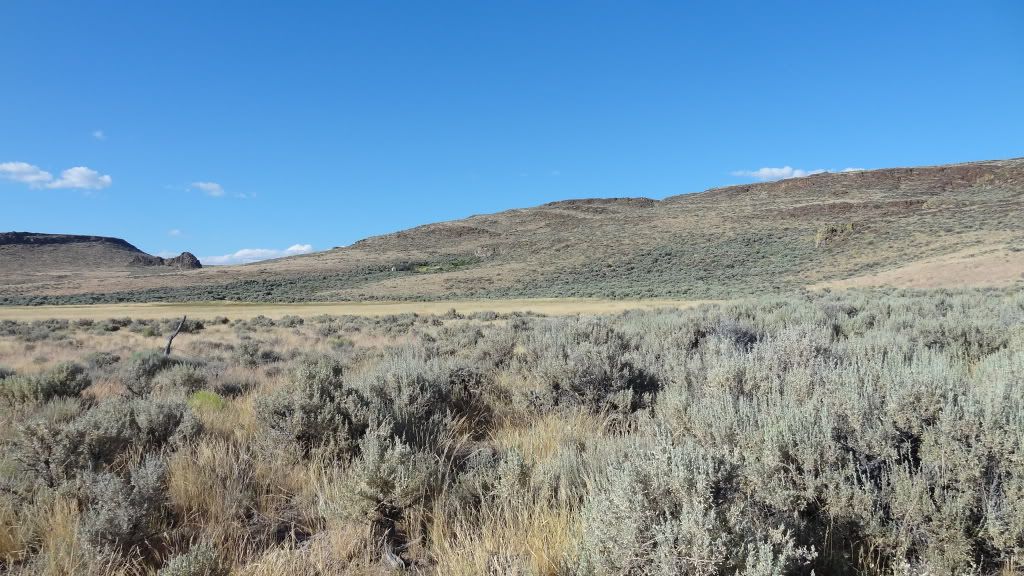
[245, 310]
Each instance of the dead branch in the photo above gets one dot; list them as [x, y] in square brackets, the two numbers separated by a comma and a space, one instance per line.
[167, 351]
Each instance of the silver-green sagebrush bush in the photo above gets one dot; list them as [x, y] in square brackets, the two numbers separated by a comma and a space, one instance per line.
[200, 560]
[66, 379]
[120, 514]
[319, 411]
[864, 432]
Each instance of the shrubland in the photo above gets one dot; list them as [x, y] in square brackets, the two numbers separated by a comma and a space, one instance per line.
[863, 432]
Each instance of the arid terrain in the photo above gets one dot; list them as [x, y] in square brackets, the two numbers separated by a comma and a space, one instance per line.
[858, 432]
[819, 375]
[943, 226]
[487, 288]
[248, 310]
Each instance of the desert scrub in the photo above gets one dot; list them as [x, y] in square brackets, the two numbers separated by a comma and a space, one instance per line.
[425, 399]
[857, 432]
[383, 484]
[252, 354]
[59, 449]
[659, 511]
[319, 411]
[830, 233]
[183, 377]
[200, 560]
[138, 372]
[242, 498]
[586, 363]
[63, 380]
[101, 360]
[120, 514]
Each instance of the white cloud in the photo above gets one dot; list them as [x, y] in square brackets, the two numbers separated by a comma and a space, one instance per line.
[211, 188]
[25, 173]
[246, 255]
[99, 135]
[769, 174]
[81, 177]
[174, 232]
[78, 177]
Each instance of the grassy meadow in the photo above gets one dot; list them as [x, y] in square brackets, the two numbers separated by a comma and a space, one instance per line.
[862, 432]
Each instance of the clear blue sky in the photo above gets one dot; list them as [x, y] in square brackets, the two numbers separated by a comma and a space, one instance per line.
[219, 126]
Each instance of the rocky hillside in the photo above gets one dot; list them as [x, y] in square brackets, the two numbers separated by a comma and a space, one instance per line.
[950, 225]
[31, 259]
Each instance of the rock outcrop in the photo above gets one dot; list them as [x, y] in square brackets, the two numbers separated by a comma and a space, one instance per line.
[184, 261]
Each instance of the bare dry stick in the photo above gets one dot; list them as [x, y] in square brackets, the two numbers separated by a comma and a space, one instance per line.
[167, 351]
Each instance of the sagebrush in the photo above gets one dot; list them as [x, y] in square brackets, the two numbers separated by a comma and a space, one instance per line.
[871, 432]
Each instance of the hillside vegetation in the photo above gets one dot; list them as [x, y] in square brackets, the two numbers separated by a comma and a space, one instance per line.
[866, 432]
[30, 261]
[944, 226]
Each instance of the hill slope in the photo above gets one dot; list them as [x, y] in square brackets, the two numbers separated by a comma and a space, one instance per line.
[35, 261]
[947, 225]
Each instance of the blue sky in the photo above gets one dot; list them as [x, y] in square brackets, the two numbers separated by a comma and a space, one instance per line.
[223, 126]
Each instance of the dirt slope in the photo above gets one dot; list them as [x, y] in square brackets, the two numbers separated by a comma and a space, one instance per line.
[890, 226]
[37, 261]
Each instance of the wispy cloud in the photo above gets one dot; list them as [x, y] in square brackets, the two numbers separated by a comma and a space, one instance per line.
[768, 174]
[79, 177]
[246, 255]
[210, 188]
[99, 135]
[174, 232]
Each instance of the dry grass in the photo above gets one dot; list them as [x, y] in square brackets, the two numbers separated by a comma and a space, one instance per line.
[50, 531]
[550, 306]
[522, 538]
[540, 439]
[232, 494]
